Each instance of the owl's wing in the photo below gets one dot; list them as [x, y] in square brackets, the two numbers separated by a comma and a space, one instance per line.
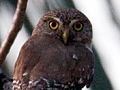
[27, 75]
[89, 82]
[85, 66]
[27, 60]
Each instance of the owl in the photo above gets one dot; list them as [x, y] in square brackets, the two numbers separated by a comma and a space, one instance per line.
[58, 55]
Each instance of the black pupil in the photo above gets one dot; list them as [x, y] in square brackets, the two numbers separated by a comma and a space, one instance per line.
[77, 25]
[53, 24]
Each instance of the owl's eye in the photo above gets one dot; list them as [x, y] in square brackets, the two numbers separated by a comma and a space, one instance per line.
[54, 24]
[78, 26]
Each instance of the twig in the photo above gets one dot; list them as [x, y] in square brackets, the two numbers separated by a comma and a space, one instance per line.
[14, 29]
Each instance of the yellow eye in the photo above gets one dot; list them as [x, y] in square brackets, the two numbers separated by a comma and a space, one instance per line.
[54, 24]
[78, 26]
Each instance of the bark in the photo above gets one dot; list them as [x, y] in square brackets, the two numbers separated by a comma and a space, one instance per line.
[13, 30]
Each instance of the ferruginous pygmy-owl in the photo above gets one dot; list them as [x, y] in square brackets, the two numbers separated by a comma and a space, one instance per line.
[58, 55]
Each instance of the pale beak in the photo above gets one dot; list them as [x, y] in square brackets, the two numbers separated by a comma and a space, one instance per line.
[65, 36]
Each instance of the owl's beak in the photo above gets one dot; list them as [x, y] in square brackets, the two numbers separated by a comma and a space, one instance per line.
[65, 36]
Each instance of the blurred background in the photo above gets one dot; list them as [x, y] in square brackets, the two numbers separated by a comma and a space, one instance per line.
[105, 18]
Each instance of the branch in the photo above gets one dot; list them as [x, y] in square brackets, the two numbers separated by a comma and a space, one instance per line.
[14, 29]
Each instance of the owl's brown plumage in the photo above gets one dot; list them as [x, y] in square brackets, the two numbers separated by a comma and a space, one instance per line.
[58, 55]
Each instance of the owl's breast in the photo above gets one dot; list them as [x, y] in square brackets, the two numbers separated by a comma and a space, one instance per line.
[52, 60]
[64, 63]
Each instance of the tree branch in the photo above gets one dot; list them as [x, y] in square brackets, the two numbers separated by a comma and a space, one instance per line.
[14, 29]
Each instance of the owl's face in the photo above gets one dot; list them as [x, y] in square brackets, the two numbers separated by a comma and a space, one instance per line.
[67, 25]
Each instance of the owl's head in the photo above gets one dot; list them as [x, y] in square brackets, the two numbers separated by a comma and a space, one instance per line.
[68, 25]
